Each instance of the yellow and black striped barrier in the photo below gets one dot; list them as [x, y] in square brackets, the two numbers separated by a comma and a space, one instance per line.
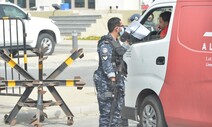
[49, 82]
[65, 64]
[14, 65]
[34, 83]
[25, 74]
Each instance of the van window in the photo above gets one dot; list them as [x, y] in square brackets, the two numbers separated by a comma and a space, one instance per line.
[152, 21]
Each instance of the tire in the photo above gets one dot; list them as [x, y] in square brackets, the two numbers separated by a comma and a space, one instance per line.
[151, 113]
[47, 39]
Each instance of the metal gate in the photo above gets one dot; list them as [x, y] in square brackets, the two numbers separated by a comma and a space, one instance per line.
[12, 39]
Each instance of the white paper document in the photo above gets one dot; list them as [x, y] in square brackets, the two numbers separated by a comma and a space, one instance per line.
[137, 30]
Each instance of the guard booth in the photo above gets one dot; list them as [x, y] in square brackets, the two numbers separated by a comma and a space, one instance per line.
[16, 81]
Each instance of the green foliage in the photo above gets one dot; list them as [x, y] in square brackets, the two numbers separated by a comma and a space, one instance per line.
[85, 38]
[89, 38]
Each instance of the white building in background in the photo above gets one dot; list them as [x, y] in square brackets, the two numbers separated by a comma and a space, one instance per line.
[117, 4]
[82, 4]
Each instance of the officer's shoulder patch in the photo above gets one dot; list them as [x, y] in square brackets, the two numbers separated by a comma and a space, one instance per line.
[104, 50]
[104, 57]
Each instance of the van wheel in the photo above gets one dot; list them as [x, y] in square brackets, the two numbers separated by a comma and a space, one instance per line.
[46, 39]
[151, 113]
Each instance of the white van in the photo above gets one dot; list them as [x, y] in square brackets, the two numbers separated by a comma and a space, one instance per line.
[38, 30]
[169, 80]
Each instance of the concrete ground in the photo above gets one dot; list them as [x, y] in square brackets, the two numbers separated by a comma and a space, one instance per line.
[82, 103]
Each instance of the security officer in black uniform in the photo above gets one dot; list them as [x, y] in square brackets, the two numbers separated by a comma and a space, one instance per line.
[110, 74]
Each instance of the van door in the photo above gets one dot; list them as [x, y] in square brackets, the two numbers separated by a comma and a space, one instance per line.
[147, 58]
[186, 94]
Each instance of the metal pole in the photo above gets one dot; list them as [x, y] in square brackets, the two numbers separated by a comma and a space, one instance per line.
[24, 42]
[40, 87]
[74, 41]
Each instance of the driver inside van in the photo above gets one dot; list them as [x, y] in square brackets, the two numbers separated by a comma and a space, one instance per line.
[164, 23]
